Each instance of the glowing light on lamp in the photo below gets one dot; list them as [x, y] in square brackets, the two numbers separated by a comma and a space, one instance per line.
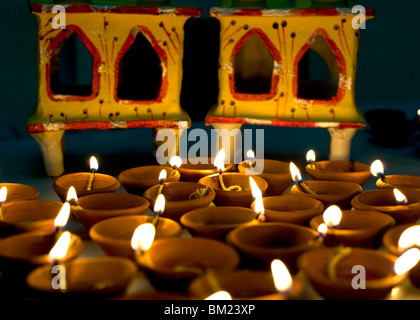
[281, 276]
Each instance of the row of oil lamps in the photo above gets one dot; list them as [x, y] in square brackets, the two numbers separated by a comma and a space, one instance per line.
[248, 239]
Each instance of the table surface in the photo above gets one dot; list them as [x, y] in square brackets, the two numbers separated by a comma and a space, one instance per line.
[117, 150]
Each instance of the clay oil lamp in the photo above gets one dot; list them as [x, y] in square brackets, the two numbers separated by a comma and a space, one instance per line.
[93, 208]
[29, 215]
[171, 264]
[21, 253]
[181, 197]
[275, 172]
[404, 210]
[94, 276]
[216, 222]
[337, 170]
[86, 183]
[353, 228]
[291, 209]
[401, 238]
[232, 188]
[335, 272]
[261, 243]
[338, 193]
[196, 168]
[138, 180]
[114, 235]
[249, 284]
[18, 192]
[393, 181]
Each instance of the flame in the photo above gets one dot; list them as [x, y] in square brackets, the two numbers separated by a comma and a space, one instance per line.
[418, 112]
[377, 168]
[332, 216]
[322, 229]
[3, 194]
[175, 162]
[72, 195]
[295, 173]
[220, 295]
[409, 238]
[219, 161]
[159, 204]
[259, 207]
[63, 216]
[94, 166]
[162, 176]
[250, 154]
[282, 278]
[143, 237]
[407, 261]
[256, 192]
[59, 251]
[310, 156]
[400, 197]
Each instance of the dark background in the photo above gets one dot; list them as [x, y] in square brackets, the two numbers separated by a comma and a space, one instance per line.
[388, 67]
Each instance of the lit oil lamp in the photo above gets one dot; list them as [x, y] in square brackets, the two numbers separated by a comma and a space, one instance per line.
[86, 182]
[377, 170]
[162, 179]
[100, 276]
[138, 180]
[196, 168]
[332, 272]
[181, 197]
[96, 207]
[329, 193]
[401, 238]
[19, 192]
[383, 200]
[232, 188]
[261, 243]
[400, 181]
[275, 172]
[337, 170]
[3, 197]
[353, 228]
[276, 284]
[219, 295]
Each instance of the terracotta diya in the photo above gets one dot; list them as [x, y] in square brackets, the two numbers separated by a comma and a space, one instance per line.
[291, 209]
[85, 183]
[21, 253]
[331, 272]
[19, 191]
[329, 193]
[114, 235]
[399, 181]
[181, 197]
[100, 206]
[197, 168]
[29, 215]
[384, 200]
[391, 242]
[258, 245]
[93, 276]
[242, 198]
[216, 222]
[138, 180]
[275, 172]
[356, 228]
[172, 263]
[339, 170]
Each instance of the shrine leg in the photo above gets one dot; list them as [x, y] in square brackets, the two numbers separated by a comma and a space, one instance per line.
[52, 149]
[229, 137]
[340, 143]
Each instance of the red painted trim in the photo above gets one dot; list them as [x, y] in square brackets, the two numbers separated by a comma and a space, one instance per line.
[103, 125]
[54, 49]
[47, 8]
[370, 12]
[283, 123]
[162, 56]
[341, 91]
[275, 78]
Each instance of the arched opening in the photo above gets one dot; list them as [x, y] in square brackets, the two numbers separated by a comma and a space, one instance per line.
[71, 68]
[318, 72]
[253, 67]
[140, 72]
